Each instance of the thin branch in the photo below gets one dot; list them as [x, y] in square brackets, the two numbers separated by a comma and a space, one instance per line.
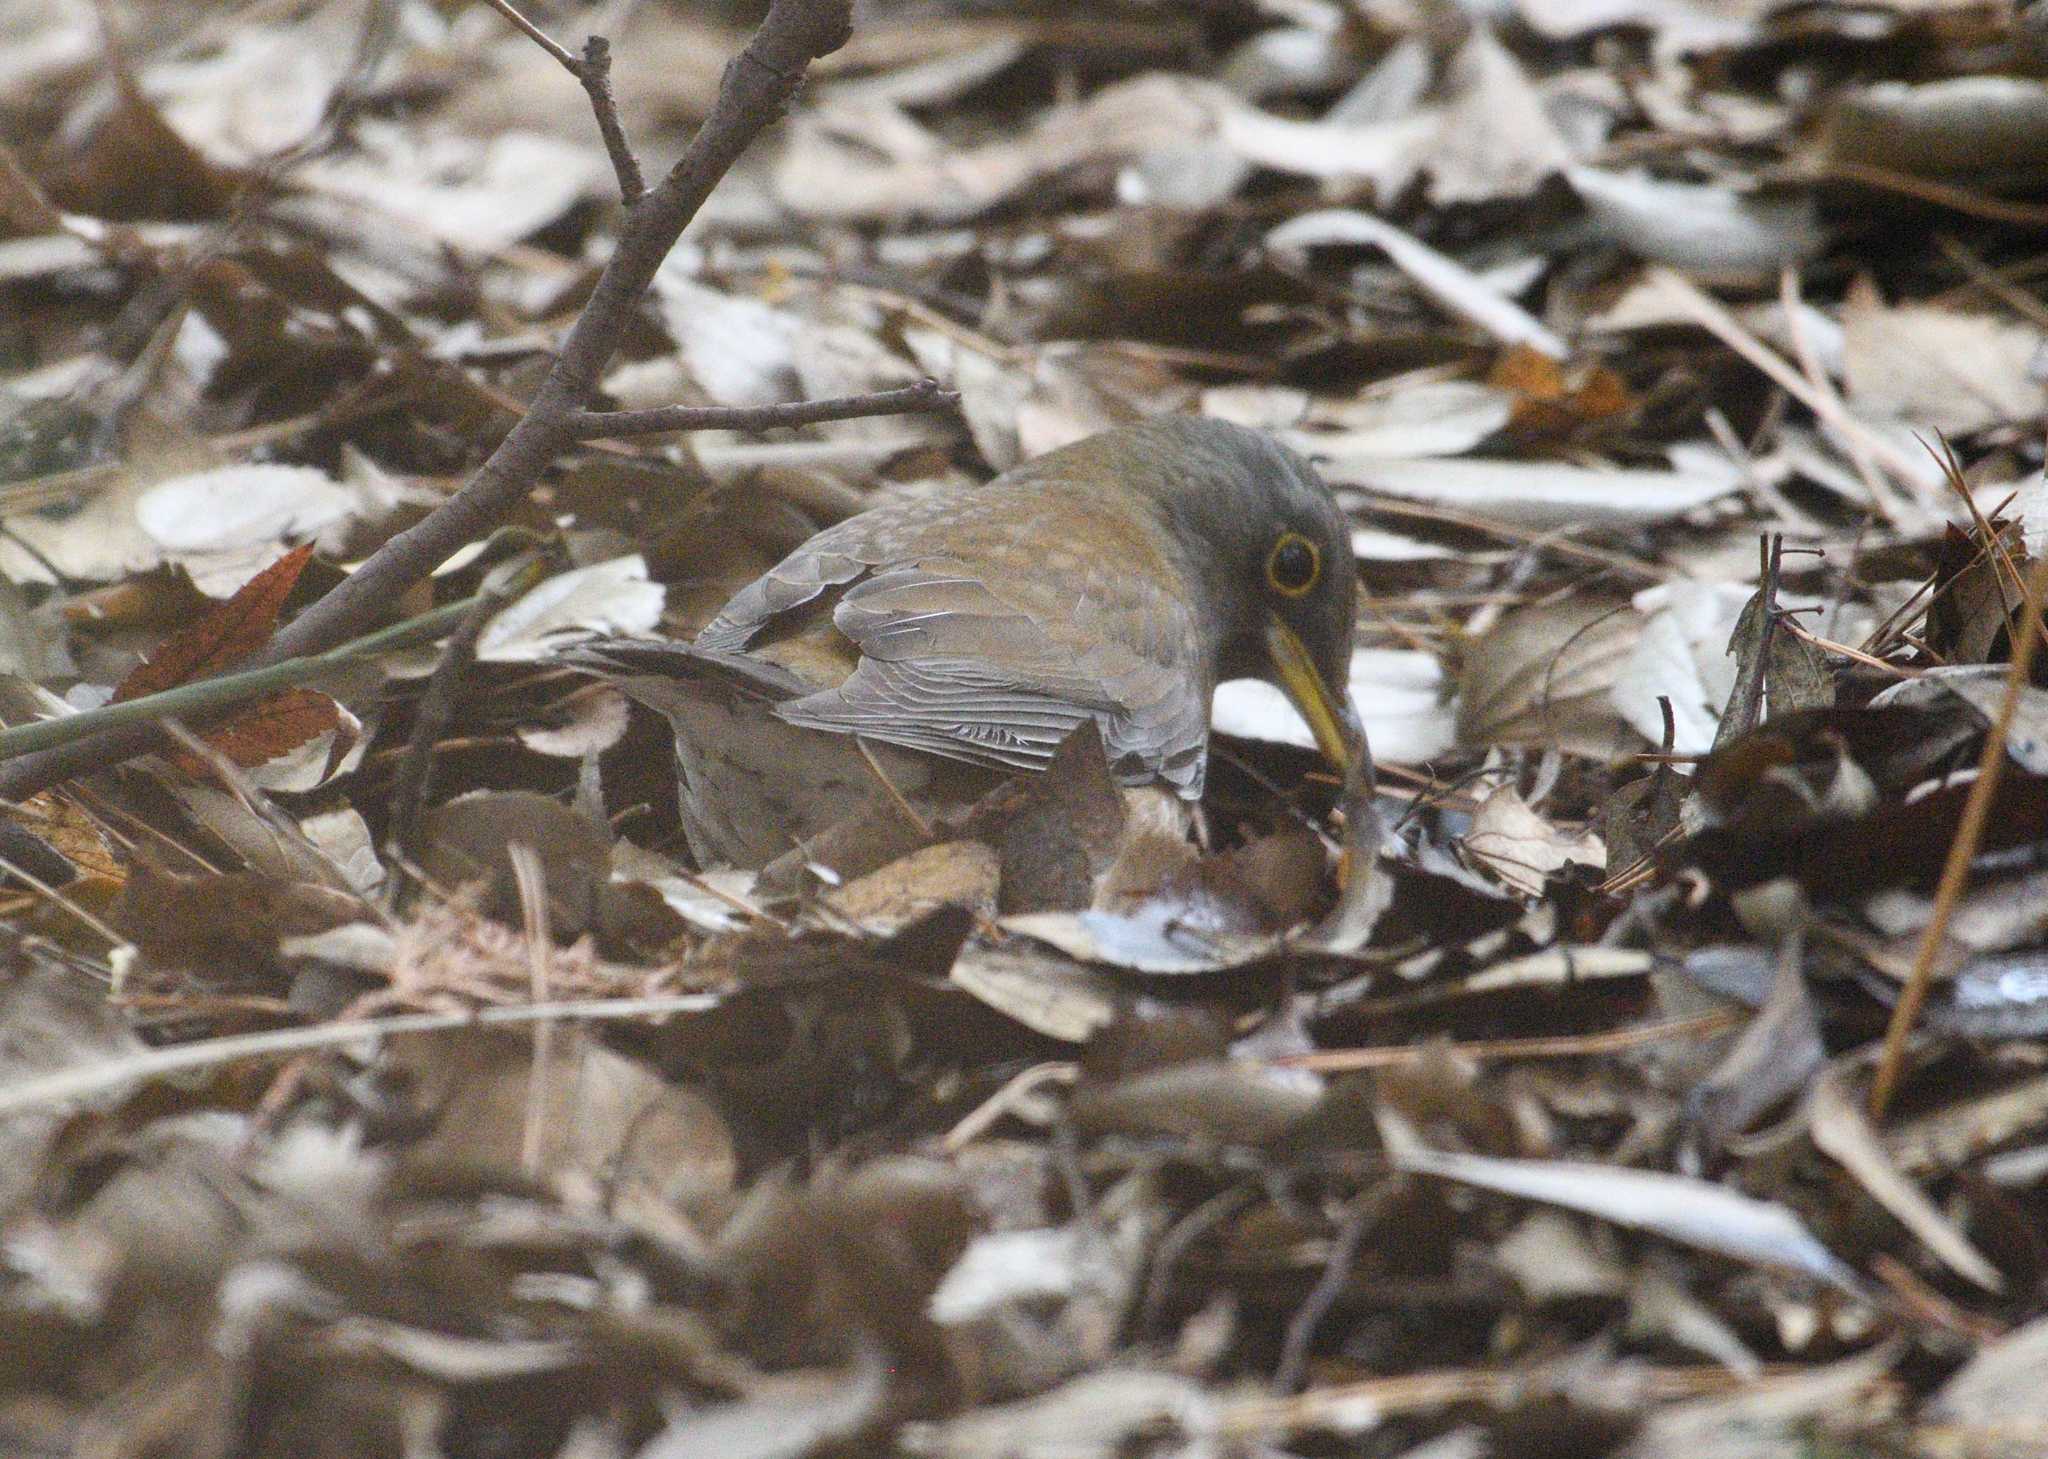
[594, 74]
[540, 949]
[1792, 305]
[259, 804]
[925, 395]
[1958, 199]
[983, 1117]
[1560, 1046]
[535, 34]
[1828, 645]
[1994, 540]
[1336, 1275]
[1969, 833]
[756, 87]
[59, 897]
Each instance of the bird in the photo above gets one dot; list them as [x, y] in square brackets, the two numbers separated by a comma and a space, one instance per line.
[1116, 580]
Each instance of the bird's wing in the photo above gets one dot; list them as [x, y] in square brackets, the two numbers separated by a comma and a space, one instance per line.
[949, 666]
[835, 557]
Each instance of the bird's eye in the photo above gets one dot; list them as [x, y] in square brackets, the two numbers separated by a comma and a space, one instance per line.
[1293, 565]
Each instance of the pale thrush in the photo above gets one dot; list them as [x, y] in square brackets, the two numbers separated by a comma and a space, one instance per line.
[1117, 579]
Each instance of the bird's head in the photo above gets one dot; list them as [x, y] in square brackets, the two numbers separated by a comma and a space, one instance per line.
[1275, 554]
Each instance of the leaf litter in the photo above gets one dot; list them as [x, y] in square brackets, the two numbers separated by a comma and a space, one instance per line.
[386, 1074]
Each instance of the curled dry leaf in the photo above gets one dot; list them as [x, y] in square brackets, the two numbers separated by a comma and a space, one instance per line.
[1401, 696]
[1841, 1129]
[602, 1130]
[224, 525]
[1545, 494]
[1545, 676]
[1695, 1212]
[1521, 848]
[606, 597]
[1938, 369]
[2001, 1385]
[1703, 229]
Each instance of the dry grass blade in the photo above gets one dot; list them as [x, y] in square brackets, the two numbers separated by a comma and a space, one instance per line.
[1969, 832]
[88, 1080]
[1714, 317]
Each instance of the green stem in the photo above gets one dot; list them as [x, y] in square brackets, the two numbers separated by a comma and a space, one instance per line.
[206, 695]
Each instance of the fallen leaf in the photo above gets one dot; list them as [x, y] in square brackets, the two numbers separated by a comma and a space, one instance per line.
[1521, 848]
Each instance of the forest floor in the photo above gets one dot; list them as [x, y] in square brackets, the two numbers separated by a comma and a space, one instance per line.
[380, 1073]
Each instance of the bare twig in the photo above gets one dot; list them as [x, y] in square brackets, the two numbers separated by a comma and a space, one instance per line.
[2000, 554]
[593, 72]
[1561, 1046]
[1969, 832]
[757, 84]
[1958, 199]
[1554, 540]
[1301, 1327]
[1828, 645]
[926, 394]
[1793, 307]
[59, 897]
[596, 76]
[540, 949]
[1175, 1243]
[1331, 1407]
[1982, 276]
[535, 34]
[983, 1116]
[259, 805]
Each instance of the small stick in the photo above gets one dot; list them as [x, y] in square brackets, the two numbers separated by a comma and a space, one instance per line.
[258, 804]
[593, 72]
[1301, 1327]
[596, 77]
[535, 34]
[1961, 200]
[1793, 306]
[540, 951]
[1713, 317]
[1559, 1046]
[902, 802]
[925, 395]
[1791, 626]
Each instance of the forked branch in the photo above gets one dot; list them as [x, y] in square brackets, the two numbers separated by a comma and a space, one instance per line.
[757, 85]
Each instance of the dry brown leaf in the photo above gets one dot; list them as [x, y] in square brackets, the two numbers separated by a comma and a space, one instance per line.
[1521, 848]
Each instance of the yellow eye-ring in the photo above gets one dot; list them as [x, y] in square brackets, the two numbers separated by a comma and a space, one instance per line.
[1293, 565]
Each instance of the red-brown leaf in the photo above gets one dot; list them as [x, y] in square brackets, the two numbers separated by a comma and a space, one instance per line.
[275, 726]
[230, 633]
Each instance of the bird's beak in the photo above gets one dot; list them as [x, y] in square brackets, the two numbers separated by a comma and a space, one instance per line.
[1331, 717]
